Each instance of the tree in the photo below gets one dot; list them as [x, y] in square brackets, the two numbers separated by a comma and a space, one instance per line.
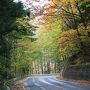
[9, 11]
[11, 29]
[75, 25]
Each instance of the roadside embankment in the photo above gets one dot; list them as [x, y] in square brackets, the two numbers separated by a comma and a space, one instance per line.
[18, 86]
[78, 72]
[82, 82]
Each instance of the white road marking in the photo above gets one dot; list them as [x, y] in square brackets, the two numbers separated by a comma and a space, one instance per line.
[55, 81]
[33, 79]
[62, 83]
[42, 88]
[43, 81]
[37, 84]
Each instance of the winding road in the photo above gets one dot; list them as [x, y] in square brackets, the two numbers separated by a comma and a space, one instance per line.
[51, 83]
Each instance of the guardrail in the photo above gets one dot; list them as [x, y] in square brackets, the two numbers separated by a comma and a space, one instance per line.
[8, 85]
[3, 87]
[14, 84]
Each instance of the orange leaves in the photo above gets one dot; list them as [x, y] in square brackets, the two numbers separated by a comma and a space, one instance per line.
[71, 36]
[62, 40]
[68, 42]
[83, 32]
[66, 2]
[67, 36]
[53, 7]
[70, 33]
[51, 10]
[55, 3]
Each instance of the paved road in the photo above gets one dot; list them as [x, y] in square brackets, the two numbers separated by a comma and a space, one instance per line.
[51, 83]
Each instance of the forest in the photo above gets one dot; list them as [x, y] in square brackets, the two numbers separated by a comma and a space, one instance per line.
[43, 39]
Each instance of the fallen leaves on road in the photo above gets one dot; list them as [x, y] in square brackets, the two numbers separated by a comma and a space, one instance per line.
[18, 85]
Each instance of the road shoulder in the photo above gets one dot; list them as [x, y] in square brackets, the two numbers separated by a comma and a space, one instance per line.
[18, 86]
[82, 82]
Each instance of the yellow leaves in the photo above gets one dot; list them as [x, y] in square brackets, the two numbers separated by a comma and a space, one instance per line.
[52, 24]
[67, 36]
[69, 41]
[23, 45]
[63, 50]
[83, 32]
[66, 2]
[73, 33]
[55, 3]
[53, 6]
[70, 33]
[62, 40]
[51, 10]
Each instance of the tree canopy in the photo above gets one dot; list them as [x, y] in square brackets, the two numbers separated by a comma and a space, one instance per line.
[59, 32]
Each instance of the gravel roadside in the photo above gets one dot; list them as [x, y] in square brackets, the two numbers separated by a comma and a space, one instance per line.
[18, 86]
[83, 82]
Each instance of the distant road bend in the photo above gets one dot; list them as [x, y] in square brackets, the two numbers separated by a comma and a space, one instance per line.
[51, 83]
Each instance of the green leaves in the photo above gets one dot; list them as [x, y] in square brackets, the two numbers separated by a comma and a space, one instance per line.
[9, 11]
[23, 27]
[12, 27]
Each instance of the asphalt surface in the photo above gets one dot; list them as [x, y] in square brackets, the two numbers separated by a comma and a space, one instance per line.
[51, 83]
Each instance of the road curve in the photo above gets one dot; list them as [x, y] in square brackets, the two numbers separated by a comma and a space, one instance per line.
[51, 83]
